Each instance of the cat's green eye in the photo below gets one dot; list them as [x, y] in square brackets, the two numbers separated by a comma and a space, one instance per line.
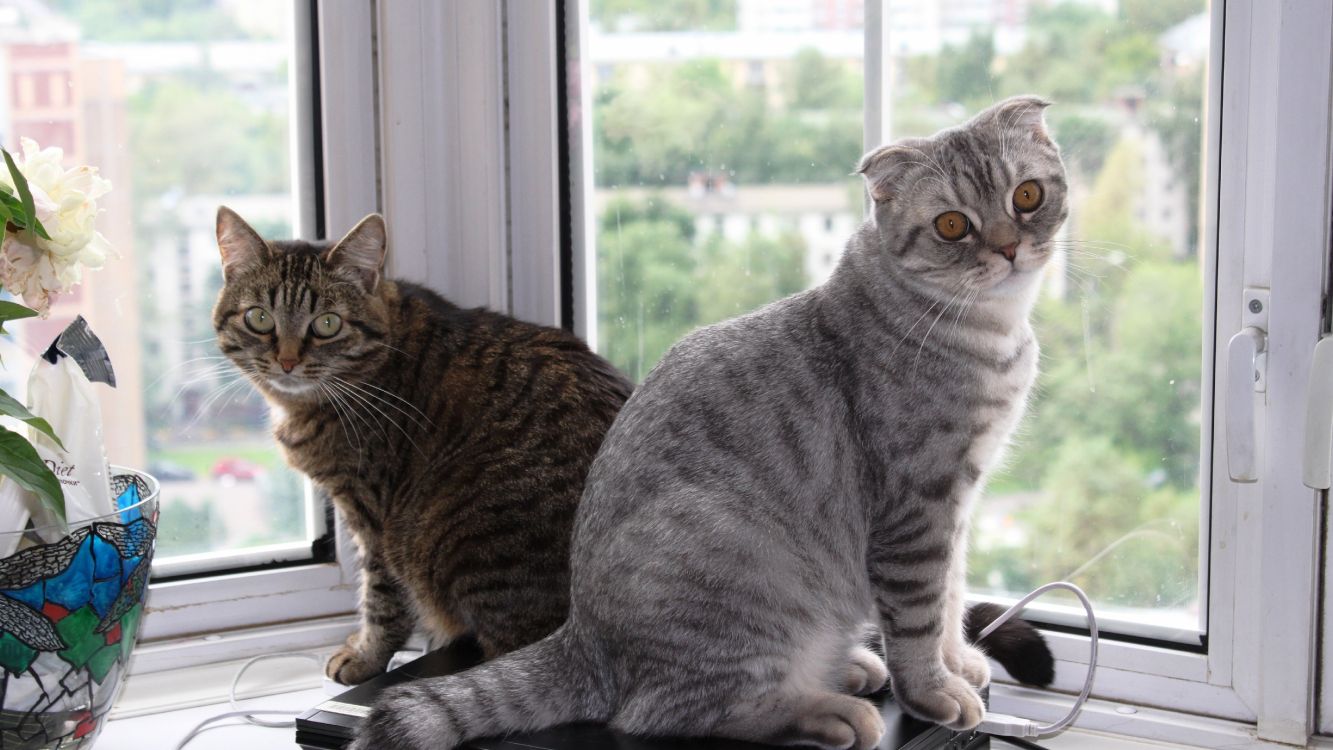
[952, 225]
[1027, 197]
[259, 320]
[326, 325]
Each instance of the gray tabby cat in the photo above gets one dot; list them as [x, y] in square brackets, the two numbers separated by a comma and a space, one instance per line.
[786, 479]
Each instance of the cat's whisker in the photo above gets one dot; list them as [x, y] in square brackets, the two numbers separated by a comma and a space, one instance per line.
[922, 317]
[354, 394]
[179, 365]
[212, 398]
[390, 394]
[917, 360]
[354, 407]
[349, 430]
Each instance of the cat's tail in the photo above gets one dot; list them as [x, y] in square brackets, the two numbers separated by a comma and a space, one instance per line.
[1016, 645]
[546, 683]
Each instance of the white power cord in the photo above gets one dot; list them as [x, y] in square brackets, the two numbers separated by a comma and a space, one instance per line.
[251, 717]
[1004, 725]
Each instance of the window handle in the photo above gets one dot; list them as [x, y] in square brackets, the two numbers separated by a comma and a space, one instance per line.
[1246, 359]
[1318, 464]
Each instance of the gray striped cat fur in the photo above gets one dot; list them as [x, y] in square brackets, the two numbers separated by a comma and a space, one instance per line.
[786, 480]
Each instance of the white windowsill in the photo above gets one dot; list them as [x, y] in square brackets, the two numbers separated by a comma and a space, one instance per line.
[166, 704]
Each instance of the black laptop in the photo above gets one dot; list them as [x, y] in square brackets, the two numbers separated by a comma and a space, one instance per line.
[330, 725]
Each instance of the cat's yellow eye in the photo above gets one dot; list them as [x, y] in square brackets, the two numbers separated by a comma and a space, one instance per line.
[327, 325]
[952, 225]
[1027, 197]
[259, 320]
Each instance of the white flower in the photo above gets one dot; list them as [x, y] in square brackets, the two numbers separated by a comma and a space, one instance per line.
[66, 204]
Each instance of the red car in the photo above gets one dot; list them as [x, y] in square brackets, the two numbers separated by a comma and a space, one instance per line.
[236, 469]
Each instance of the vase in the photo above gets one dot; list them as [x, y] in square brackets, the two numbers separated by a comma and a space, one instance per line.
[70, 606]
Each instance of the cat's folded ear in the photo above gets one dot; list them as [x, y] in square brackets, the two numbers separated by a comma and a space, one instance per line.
[240, 245]
[1024, 113]
[361, 251]
[885, 167]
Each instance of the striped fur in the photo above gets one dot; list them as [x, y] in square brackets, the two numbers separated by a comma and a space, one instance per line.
[784, 479]
[454, 442]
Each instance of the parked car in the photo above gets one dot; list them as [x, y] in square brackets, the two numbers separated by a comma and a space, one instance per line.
[169, 471]
[232, 468]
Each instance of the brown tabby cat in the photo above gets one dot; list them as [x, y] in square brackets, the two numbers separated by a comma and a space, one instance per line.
[454, 442]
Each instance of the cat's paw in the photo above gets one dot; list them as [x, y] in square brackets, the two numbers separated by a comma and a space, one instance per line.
[944, 698]
[970, 663]
[403, 719]
[349, 666]
[865, 673]
[837, 722]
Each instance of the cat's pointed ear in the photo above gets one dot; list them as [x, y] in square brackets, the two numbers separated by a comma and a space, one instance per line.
[361, 251]
[240, 245]
[884, 167]
[1025, 114]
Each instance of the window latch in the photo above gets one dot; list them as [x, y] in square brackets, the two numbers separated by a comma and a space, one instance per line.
[1247, 366]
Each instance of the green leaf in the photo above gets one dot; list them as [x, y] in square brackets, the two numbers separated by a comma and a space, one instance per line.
[10, 407]
[14, 311]
[21, 185]
[19, 461]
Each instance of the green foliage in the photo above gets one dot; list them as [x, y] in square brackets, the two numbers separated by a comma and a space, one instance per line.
[186, 529]
[656, 283]
[645, 292]
[816, 83]
[664, 15]
[10, 407]
[691, 118]
[195, 138]
[963, 74]
[737, 278]
[18, 459]
[1152, 17]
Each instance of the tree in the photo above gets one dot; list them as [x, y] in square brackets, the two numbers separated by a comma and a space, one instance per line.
[203, 138]
[737, 278]
[645, 292]
[963, 74]
[815, 82]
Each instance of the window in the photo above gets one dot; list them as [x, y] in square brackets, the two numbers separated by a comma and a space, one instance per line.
[1119, 478]
[184, 107]
[1105, 473]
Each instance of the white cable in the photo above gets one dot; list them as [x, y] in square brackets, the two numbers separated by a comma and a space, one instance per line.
[251, 717]
[1003, 725]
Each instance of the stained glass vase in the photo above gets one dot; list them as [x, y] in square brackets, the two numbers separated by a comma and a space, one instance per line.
[69, 616]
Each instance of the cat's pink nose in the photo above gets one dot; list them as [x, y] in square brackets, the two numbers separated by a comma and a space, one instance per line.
[1009, 251]
[288, 364]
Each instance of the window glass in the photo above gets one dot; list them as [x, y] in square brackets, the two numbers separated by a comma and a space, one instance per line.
[724, 135]
[723, 132]
[183, 106]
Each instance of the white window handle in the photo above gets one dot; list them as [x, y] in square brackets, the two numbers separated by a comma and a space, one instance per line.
[1318, 464]
[1245, 368]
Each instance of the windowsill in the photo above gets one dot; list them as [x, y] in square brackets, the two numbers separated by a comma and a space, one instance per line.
[168, 704]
